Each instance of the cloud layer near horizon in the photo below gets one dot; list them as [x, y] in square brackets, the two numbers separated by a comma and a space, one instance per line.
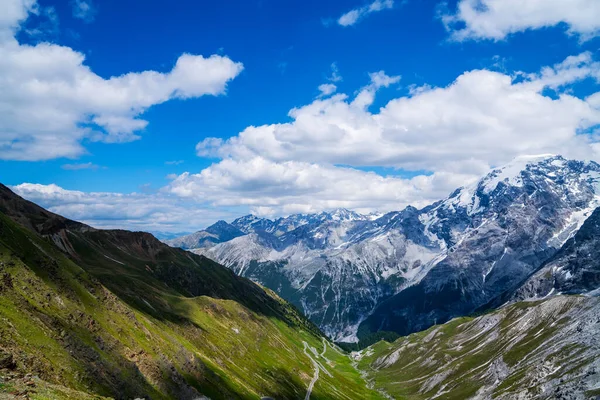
[134, 211]
[455, 133]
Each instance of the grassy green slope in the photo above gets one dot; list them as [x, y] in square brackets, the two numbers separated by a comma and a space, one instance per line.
[544, 349]
[111, 313]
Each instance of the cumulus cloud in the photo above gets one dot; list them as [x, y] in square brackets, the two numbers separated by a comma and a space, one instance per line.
[447, 136]
[483, 115]
[50, 101]
[232, 188]
[282, 188]
[84, 10]
[323, 157]
[320, 160]
[496, 19]
[134, 211]
[355, 15]
[327, 89]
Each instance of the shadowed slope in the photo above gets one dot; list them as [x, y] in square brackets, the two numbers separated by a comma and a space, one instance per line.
[119, 314]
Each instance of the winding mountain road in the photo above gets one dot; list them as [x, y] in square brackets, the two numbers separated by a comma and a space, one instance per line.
[315, 376]
[318, 366]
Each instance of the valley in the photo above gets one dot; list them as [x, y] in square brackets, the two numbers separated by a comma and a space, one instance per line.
[88, 314]
[300, 200]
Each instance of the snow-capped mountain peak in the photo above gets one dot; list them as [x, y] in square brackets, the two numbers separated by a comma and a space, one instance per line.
[548, 171]
[510, 174]
[342, 214]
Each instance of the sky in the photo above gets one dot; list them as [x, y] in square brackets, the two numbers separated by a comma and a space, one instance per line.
[168, 116]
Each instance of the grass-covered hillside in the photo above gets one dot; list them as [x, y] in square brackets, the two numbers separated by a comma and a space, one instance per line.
[89, 314]
[547, 349]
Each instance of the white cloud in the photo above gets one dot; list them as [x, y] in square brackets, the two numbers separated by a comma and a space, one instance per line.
[355, 15]
[496, 19]
[13, 13]
[457, 132]
[47, 28]
[327, 89]
[209, 147]
[134, 211]
[320, 160]
[292, 186]
[84, 10]
[483, 115]
[335, 74]
[232, 188]
[50, 101]
[317, 161]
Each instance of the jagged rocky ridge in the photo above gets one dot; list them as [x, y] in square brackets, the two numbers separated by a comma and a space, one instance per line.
[544, 343]
[407, 270]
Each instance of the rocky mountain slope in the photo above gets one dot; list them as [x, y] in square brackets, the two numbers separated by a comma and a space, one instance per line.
[87, 313]
[547, 349]
[542, 344]
[574, 269]
[407, 270]
[513, 220]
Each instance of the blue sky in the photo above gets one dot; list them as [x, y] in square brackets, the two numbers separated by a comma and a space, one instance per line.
[272, 56]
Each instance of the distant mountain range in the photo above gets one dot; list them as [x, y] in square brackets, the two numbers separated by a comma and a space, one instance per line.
[354, 275]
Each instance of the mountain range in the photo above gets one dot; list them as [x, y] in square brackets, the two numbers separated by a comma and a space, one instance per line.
[100, 314]
[355, 275]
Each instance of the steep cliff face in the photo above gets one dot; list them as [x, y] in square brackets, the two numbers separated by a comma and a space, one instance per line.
[497, 232]
[337, 268]
[574, 269]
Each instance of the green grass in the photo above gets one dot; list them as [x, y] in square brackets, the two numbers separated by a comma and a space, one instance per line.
[452, 359]
[162, 324]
